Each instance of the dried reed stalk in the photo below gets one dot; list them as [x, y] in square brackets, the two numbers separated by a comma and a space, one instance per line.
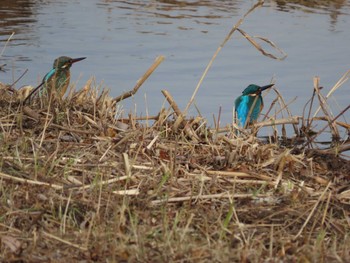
[187, 128]
[45, 234]
[259, 48]
[325, 109]
[139, 83]
[340, 82]
[6, 43]
[205, 197]
[28, 181]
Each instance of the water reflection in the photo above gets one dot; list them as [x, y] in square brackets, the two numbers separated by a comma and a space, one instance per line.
[20, 16]
[164, 11]
[17, 16]
[331, 7]
[311, 6]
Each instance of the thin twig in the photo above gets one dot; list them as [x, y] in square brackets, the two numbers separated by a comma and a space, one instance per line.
[64, 241]
[203, 197]
[331, 122]
[6, 43]
[28, 181]
[312, 211]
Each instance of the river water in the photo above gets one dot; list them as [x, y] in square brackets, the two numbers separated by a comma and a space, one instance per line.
[121, 39]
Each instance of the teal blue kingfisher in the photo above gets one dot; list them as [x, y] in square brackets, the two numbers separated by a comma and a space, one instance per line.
[249, 105]
[57, 79]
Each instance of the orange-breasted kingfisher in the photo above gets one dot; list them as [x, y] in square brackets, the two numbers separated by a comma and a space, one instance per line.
[57, 79]
[249, 105]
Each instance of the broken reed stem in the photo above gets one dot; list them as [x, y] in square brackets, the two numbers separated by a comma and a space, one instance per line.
[139, 83]
[285, 106]
[340, 123]
[240, 21]
[28, 181]
[68, 129]
[259, 48]
[127, 164]
[18, 79]
[204, 197]
[280, 110]
[324, 107]
[31, 113]
[64, 241]
[6, 43]
[172, 103]
[64, 218]
[331, 122]
[110, 181]
[187, 128]
[270, 108]
[155, 117]
[340, 82]
[291, 120]
[309, 114]
[217, 125]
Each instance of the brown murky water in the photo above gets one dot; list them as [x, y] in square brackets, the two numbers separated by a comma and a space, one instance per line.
[122, 38]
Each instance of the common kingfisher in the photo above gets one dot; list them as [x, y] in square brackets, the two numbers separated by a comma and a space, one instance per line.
[249, 105]
[57, 79]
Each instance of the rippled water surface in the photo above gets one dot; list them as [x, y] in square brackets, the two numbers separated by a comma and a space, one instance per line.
[121, 39]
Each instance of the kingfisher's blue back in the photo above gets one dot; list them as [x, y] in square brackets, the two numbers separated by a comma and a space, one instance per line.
[243, 105]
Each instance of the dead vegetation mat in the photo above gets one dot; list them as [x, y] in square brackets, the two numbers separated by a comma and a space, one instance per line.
[80, 184]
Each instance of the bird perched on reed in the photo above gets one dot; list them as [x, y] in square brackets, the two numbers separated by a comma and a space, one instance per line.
[57, 79]
[249, 105]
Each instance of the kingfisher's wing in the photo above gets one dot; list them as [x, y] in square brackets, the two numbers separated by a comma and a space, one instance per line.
[49, 75]
[242, 109]
[41, 86]
[258, 103]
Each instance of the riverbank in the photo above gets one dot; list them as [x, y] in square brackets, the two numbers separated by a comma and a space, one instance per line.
[81, 181]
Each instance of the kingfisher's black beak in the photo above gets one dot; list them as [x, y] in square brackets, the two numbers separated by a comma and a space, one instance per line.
[73, 60]
[266, 87]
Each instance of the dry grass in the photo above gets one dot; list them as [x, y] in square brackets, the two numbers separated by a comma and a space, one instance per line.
[77, 183]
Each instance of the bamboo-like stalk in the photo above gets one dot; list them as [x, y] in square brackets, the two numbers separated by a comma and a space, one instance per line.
[139, 83]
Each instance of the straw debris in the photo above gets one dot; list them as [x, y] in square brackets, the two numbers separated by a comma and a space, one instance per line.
[80, 181]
